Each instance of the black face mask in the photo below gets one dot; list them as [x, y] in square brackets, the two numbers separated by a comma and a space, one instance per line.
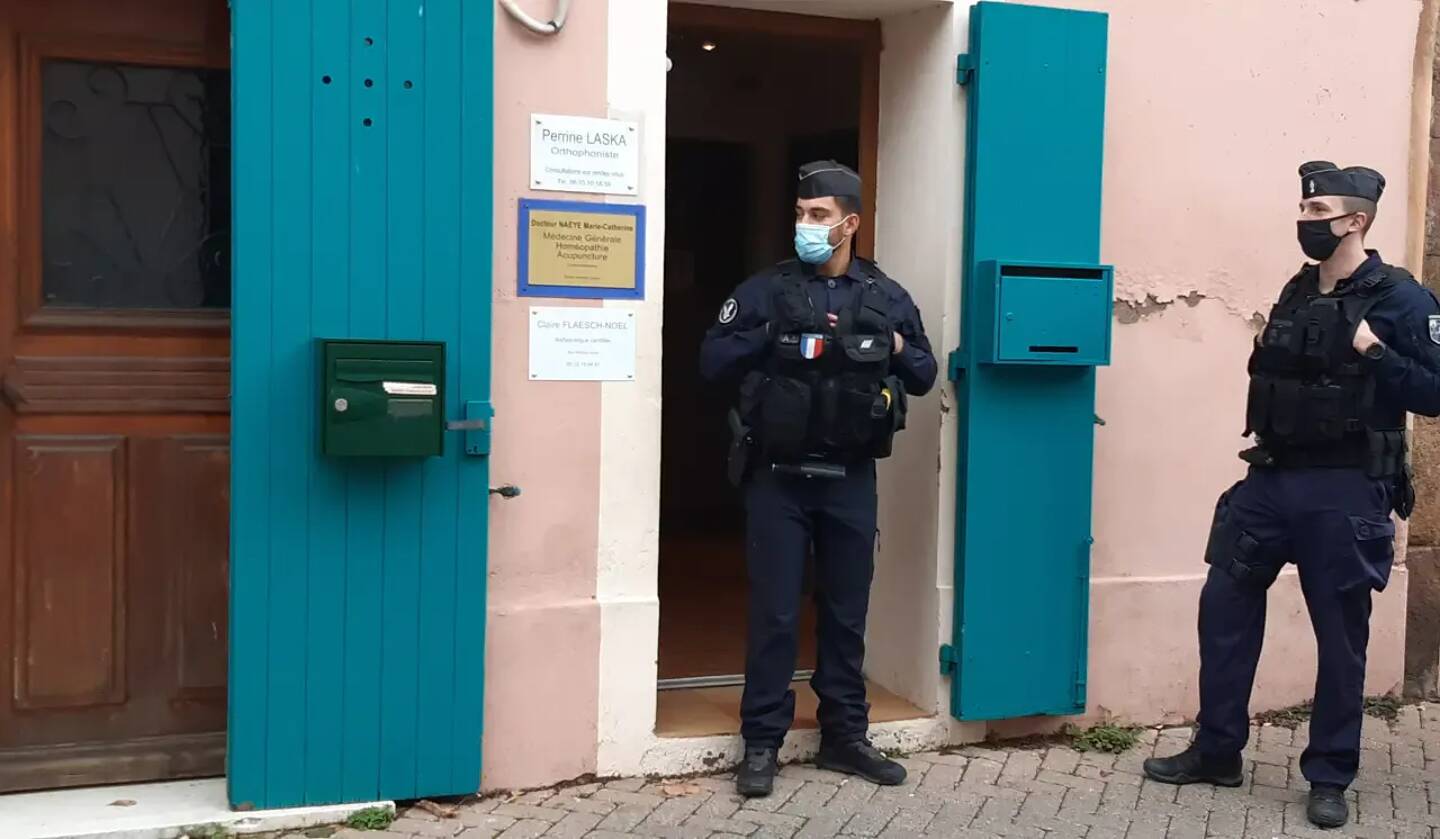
[1317, 240]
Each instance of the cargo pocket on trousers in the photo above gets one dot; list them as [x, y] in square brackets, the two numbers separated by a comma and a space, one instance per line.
[1374, 552]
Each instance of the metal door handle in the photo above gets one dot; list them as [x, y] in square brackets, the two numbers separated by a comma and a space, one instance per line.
[467, 425]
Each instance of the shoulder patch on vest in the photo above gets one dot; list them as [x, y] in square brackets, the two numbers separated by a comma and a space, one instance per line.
[1434, 322]
[728, 310]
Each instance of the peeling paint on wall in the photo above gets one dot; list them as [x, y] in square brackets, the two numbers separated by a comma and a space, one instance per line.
[1129, 311]
[1139, 295]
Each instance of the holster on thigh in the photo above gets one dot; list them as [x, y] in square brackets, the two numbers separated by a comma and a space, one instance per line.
[1239, 554]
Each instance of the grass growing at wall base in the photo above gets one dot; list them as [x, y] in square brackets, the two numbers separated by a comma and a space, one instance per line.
[1290, 717]
[1105, 737]
[371, 818]
[1386, 707]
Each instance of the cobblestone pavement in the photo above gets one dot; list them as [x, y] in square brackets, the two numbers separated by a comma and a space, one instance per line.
[986, 792]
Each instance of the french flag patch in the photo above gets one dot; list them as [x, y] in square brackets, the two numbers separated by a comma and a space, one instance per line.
[812, 346]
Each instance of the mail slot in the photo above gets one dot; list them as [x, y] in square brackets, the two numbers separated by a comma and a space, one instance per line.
[1048, 314]
[382, 398]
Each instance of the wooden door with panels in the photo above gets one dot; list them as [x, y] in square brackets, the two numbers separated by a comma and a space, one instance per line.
[114, 389]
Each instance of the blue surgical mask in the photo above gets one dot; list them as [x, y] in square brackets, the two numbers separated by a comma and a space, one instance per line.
[812, 242]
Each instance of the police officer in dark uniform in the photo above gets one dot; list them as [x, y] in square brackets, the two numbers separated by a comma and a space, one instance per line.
[1349, 348]
[824, 351]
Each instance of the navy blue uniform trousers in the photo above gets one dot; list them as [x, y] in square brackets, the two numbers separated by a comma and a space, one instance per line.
[785, 516]
[1335, 525]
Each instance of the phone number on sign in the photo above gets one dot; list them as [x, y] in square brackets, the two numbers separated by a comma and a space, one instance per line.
[590, 182]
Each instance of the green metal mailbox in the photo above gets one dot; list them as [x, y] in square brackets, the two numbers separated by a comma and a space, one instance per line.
[382, 398]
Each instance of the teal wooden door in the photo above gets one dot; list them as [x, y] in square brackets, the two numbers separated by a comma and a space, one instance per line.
[362, 167]
[1035, 84]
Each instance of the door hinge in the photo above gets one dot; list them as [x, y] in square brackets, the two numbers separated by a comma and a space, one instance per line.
[964, 69]
[1082, 653]
[958, 362]
[949, 660]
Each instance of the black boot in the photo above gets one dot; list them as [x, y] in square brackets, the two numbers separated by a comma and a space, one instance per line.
[1327, 807]
[755, 777]
[1192, 767]
[858, 757]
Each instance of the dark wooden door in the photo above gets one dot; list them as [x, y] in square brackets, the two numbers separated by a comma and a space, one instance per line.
[114, 389]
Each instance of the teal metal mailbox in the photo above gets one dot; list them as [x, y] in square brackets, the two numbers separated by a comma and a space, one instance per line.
[1045, 313]
[382, 399]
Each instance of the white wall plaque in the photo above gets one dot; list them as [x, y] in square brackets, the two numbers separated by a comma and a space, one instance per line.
[584, 154]
[582, 344]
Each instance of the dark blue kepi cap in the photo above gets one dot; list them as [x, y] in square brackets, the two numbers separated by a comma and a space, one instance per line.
[826, 178]
[1321, 177]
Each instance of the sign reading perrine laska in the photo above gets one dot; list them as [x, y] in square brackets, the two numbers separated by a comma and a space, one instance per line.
[584, 154]
[573, 249]
[582, 345]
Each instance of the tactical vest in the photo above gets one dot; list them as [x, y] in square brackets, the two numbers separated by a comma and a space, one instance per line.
[1308, 386]
[825, 391]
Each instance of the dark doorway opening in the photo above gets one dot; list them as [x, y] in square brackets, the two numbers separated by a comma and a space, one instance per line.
[751, 97]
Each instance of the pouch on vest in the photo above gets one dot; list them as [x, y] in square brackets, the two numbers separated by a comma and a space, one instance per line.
[1279, 345]
[894, 423]
[1325, 415]
[1403, 493]
[853, 412]
[785, 417]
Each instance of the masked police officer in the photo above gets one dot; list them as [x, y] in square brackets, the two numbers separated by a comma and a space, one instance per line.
[1351, 345]
[824, 350]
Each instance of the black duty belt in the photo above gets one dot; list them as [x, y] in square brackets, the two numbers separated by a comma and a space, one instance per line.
[830, 471]
[1337, 458]
[1382, 454]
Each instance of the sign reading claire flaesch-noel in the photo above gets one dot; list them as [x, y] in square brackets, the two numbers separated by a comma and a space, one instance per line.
[584, 154]
[582, 345]
[581, 250]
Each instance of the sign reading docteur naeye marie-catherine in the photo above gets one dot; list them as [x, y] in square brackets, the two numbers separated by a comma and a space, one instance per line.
[584, 154]
[581, 250]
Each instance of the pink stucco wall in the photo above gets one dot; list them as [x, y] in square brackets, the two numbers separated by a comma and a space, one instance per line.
[543, 652]
[1212, 105]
